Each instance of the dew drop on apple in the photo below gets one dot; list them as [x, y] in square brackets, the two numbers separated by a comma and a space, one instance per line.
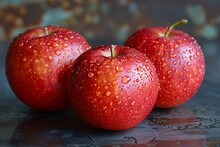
[60, 61]
[55, 44]
[169, 72]
[21, 44]
[172, 55]
[50, 58]
[146, 98]
[114, 83]
[176, 46]
[58, 53]
[191, 58]
[90, 74]
[107, 66]
[132, 103]
[164, 64]
[125, 79]
[24, 59]
[119, 68]
[65, 45]
[152, 79]
[108, 93]
[174, 62]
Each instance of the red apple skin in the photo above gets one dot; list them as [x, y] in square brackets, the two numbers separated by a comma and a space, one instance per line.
[37, 63]
[178, 59]
[113, 93]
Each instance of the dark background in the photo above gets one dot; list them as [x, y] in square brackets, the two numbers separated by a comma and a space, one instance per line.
[110, 22]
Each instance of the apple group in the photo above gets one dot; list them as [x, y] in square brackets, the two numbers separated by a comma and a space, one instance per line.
[112, 87]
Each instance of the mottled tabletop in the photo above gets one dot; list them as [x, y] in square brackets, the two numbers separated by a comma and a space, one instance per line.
[195, 123]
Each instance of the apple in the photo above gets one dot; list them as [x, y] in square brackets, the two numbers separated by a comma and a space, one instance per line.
[112, 87]
[178, 59]
[37, 63]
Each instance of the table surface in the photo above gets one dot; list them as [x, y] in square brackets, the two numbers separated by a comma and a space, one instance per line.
[195, 123]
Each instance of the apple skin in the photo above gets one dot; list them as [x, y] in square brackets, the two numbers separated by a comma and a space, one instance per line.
[37, 63]
[112, 92]
[178, 59]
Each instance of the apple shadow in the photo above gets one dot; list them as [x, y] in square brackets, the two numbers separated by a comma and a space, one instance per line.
[66, 129]
[171, 127]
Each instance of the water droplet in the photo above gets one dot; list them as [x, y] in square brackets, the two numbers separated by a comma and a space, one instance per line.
[116, 75]
[174, 62]
[119, 68]
[90, 74]
[169, 72]
[60, 61]
[65, 45]
[114, 83]
[147, 67]
[172, 55]
[50, 58]
[36, 60]
[98, 93]
[132, 103]
[176, 46]
[164, 64]
[146, 98]
[24, 59]
[55, 44]
[21, 44]
[125, 79]
[108, 93]
[107, 66]
[57, 53]
[99, 72]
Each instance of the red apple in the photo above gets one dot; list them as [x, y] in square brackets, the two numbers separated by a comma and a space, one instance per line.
[113, 87]
[178, 59]
[37, 62]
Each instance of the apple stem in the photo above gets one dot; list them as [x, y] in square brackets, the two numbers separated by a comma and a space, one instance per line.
[182, 21]
[113, 53]
[46, 31]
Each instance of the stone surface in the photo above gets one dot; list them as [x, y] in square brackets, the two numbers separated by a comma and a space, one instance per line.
[195, 123]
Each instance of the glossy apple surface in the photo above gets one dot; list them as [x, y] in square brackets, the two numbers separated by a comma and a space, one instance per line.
[178, 59]
[37, 63]
[113, 87]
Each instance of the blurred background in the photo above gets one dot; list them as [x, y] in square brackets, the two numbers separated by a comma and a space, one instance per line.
[111, 22]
